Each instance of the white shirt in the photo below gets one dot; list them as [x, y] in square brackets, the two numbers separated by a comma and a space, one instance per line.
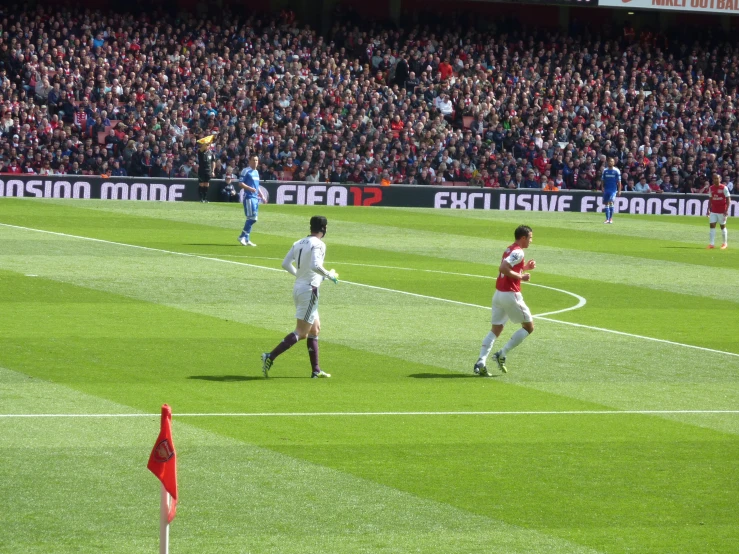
[305, 261]
[444, 106]
[641, 187]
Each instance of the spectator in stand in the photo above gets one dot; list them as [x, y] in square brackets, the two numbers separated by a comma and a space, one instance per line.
[531, 182]
[516, 181]
[445, 106]
[112, 143]
[424, 178]
[188, 169]
[228, 191]
[559, 181]
[314, 175]
[146, 164]
[539, 97]
[654, 185]
[642, 185]
[117, 170]
[728, 182]
[667, 185]
[706, 185]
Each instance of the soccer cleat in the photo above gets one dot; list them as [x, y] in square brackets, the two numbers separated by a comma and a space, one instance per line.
[250, 243]
[724, 246]
[500, 360]
[266, 364]
[480, 370]
[320, 374]
[710, 247]
[243, 241]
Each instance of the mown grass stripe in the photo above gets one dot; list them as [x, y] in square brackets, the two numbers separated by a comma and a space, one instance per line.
[375, 414]
[417, 295]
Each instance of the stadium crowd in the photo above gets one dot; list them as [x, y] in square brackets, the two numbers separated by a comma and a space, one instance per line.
[88, 92]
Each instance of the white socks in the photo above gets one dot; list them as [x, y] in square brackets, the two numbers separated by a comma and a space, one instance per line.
[516, 339]
[724, 236]
[487, 346]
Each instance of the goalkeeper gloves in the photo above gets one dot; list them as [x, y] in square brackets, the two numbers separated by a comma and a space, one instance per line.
[333, 276]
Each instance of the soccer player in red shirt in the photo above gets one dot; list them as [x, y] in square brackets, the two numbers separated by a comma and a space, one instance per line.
[719, 201]
[508, 302]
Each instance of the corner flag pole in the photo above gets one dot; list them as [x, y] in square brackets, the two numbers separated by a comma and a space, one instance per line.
[164, 522]
[163, 464]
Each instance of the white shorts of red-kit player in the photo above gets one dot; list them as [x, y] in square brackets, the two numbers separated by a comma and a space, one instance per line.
[509, 306]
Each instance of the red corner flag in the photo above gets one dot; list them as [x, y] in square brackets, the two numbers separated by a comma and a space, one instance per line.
[163, 460]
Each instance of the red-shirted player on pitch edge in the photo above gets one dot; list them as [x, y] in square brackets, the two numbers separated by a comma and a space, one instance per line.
[508, 302]
[720, 201]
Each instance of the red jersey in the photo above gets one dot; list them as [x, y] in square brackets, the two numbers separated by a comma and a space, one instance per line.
[719, 199]
[514, 256]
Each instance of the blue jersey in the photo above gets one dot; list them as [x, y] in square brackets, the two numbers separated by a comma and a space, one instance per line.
[611, 179]
[250, 177]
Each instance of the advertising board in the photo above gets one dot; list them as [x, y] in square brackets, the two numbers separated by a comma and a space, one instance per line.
[721, 7]
[331, 194]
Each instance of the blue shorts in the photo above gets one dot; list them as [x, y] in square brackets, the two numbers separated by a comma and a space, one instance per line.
[609, 197]
[251, 207]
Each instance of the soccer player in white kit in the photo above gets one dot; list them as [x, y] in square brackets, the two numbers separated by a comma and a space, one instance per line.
[305, 262]
[508, 302]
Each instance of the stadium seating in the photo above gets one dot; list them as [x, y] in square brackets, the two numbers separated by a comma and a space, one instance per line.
[332, 105]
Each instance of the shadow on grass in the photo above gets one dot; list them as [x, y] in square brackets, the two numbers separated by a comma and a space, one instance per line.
[445, 376]
[226, 378]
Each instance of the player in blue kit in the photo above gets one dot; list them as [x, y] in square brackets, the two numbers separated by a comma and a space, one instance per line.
[249, 181]
[611, 188]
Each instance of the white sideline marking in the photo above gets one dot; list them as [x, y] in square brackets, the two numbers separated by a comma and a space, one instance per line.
[371, 414]
[702, 348]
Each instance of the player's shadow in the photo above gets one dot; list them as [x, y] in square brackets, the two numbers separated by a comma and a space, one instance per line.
[226, 378]
[445, 376]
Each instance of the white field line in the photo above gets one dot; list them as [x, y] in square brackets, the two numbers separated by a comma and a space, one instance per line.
[221, 260]
[384, 414]
[580, 300]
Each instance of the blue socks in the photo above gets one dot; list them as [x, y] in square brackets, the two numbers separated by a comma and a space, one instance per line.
[247, 228]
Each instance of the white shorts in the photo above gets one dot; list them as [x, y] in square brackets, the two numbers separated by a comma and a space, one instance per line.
[306, 304]
[717, 218]
[510, 306]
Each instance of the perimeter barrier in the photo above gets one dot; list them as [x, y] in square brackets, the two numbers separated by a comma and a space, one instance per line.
[332, 194]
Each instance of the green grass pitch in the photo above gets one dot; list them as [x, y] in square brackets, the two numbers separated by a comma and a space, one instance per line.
[616, 429]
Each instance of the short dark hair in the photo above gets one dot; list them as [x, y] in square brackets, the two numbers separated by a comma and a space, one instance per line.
[318, 224]
[522, 231]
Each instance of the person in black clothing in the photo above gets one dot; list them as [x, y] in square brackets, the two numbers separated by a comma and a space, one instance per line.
[401, 73]
[206, 165]
[228, 191]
